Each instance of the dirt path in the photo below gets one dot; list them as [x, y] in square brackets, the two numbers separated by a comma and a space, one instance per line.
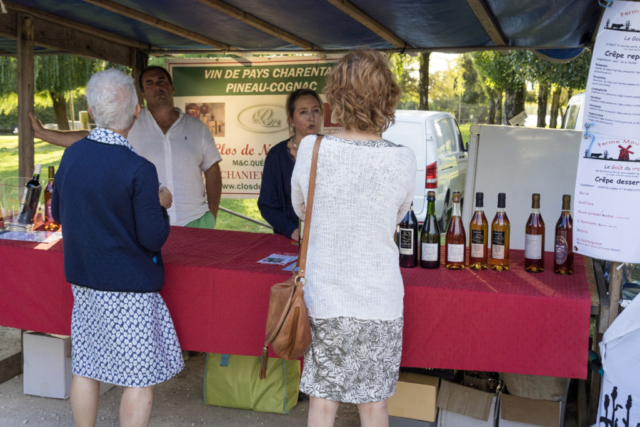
[177, 402]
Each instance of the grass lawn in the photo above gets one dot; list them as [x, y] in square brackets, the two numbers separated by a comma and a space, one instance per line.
[464, 131]
[50, 155]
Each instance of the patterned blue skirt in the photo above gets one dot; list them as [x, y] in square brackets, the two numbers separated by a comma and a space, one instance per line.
[123, 338]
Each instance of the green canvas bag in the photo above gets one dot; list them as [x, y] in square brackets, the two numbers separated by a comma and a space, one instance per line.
[233, 382]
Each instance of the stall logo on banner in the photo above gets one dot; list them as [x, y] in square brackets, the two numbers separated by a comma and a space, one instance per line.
[242, 102]
[606, 207]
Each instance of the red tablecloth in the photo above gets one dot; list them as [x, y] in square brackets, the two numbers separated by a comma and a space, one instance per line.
[218, 295]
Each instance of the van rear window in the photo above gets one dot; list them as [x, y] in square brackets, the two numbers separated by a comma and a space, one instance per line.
[571, 117]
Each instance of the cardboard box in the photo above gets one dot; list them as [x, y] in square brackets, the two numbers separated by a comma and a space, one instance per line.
[521, 412]
[47, 366]
[406, 422]
[465, 406]
[415, 397]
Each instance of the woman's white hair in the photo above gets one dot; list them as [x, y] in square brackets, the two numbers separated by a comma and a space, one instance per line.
[112, 97]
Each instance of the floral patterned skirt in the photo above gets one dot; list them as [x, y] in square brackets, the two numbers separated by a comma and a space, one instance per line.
[353, 360]
[123, 338]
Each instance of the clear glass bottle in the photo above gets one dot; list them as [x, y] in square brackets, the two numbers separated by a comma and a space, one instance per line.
[430, 238]
[500, 233]
[49, 223]
[455, 254]
[478, 237]
[534, 238]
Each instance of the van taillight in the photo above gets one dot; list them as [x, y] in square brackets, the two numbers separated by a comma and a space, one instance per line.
[432, 175]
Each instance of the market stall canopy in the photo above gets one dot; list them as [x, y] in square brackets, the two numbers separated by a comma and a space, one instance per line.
[563, 28]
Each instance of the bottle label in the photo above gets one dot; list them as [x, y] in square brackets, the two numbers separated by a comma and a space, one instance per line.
[533, 246]
[477, 243]
[430, 251]
[477, 250]
[301, 230]
[406, 241]
[561, 250]
[47, 210]
[455, 253]
[497, 245]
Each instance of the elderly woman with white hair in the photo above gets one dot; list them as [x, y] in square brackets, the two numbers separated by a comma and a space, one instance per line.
[115, 222]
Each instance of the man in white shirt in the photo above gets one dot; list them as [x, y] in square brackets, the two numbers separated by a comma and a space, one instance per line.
[180, 146]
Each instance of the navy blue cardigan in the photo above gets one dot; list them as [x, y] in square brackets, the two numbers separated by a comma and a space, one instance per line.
[106, 198]
[275, 192]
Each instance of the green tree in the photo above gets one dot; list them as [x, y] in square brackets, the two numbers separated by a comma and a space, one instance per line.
[405, 68]
[473, 90]
[497, 76]
[55, 76]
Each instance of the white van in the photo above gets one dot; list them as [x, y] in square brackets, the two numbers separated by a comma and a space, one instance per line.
[574, 114]
[441, 154]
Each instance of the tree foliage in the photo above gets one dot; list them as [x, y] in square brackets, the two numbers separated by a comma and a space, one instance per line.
[405, 68]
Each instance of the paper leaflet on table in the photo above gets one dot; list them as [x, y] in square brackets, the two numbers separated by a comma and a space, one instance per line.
[278, 259]
[292, 267]
[606, 202]
[32, 236]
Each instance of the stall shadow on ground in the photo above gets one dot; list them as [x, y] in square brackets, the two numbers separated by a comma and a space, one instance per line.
[177, 402]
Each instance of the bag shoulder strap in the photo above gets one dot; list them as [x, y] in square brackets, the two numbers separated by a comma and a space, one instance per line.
[302, 259]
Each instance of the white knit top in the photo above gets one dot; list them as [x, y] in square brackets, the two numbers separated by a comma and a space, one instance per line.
[363, 190]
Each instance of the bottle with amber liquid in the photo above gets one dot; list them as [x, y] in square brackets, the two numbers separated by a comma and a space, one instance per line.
[49, 223]
[430, 237]
[534, 239]
[455, 255]
[408, 240]
[478, 236]
[563, 252]
[500, 231]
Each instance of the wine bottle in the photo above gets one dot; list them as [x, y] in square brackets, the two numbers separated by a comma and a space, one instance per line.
[430, 238]
[455, 255]
[563, 253]
[408, 240]
[534, 239]
[478, 236]
[49, 222]
[500, 230]
[30, 198]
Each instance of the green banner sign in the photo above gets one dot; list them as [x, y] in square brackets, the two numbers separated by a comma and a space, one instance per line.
[248, 80]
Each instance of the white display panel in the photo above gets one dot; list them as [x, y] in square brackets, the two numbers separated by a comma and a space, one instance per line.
[521, 161]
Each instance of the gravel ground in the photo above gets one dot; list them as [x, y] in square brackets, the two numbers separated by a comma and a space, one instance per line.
[177, 402]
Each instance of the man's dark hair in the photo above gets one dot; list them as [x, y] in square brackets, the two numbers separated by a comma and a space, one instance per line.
[151, 68]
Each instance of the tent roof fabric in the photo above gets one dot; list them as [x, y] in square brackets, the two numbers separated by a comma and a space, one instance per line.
[561, 27]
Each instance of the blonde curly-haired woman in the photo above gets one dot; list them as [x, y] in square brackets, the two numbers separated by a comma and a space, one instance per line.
[364, 187]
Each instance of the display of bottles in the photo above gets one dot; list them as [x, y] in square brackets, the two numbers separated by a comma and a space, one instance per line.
[49, 222]
[534, 239]
[563, 252]
[30, 198]
[430, 237]
[408, 240]
[478, 236]
[455, 255]
[500, 231]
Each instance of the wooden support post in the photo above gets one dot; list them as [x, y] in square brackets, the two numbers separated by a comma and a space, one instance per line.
[615, 285]
[25, 94]
[139, 61]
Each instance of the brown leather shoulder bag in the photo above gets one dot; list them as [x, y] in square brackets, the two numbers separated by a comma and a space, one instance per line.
[288, 330]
